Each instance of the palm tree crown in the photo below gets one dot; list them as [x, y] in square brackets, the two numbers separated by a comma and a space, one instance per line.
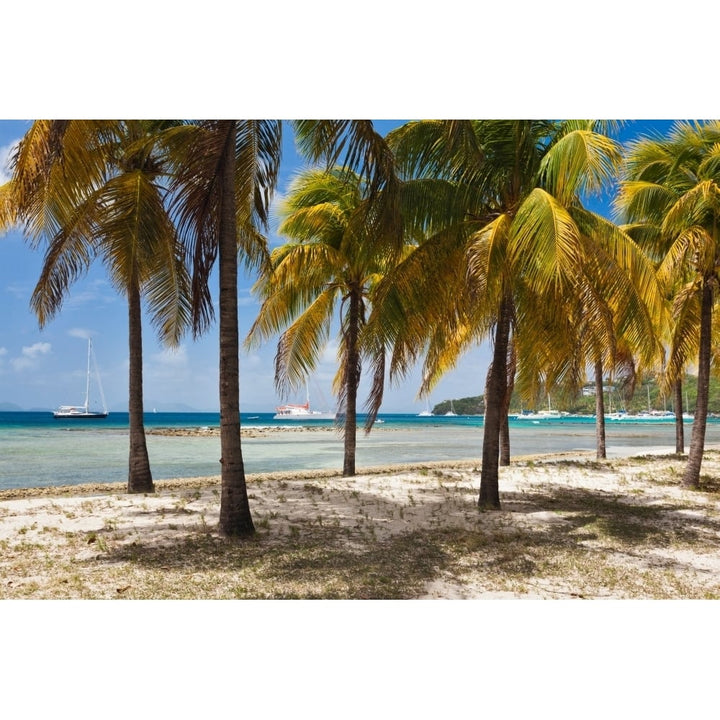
[329, 261]
[670, 197]
[96, 189]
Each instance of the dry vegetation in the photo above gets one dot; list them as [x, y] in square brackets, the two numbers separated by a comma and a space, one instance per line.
[568, 528]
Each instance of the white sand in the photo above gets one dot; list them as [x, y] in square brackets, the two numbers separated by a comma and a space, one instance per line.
[90, 530]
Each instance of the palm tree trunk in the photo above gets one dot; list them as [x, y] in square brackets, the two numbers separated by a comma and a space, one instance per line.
[505, 427]
[505, 441]
[139, 475]
[679, 424]
[495, 390]
[691, 478]
[352, 380]
[600, 451]
[235, 517]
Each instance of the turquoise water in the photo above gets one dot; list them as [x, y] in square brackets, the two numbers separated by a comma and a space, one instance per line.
[37, 450]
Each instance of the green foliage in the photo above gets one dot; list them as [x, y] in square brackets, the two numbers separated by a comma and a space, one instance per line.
[583, 405]
[463, 406]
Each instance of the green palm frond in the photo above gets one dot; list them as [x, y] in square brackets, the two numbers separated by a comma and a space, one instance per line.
[197, 151]
[301, 345]
[685, 340]
[630, 283]
[376, 357]
[487, 254]
[700, 205]
[579, 163]
[643, 201]
[545, 243]
[686, 252]
[68, 257]
[709, 167]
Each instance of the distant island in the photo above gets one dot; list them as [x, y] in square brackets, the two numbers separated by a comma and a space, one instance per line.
[462, 406]
[646, 396]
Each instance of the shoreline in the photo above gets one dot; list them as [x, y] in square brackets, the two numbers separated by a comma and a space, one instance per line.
[114, 488]
[47, 457]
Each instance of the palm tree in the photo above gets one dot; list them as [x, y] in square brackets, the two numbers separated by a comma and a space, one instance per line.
[515, 237]
[95, 189]
[672, 188]
[225, 174]
[330, 260]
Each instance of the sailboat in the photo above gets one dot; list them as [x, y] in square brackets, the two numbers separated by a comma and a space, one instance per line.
[83, 412]
[451, 411]
[302, 412]
[426, 412]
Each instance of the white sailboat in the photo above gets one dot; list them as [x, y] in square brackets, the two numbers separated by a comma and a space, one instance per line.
[83, 412]
[426, 412]
[451, 412]
[548, 414]
[302, 412]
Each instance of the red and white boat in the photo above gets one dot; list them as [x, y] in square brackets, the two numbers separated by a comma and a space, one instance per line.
[302, 412]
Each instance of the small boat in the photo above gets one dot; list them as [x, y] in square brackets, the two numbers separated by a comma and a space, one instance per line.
[426, 412]
[302, 412]
[451, 412]
[83, 412]
[539, 415]
[654, 417]
[542, 415]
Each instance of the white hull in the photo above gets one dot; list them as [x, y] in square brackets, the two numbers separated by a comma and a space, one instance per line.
[302, 412]
[665, 417]
[83, 412]
[304, 415]
[79, 414]
[541, 415]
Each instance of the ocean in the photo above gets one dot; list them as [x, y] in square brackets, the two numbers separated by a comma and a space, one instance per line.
[36, 450]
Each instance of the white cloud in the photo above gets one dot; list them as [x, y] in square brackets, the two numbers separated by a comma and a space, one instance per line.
[81, 333]
[30, 354]
[330, 353]
[39, 348]
[171, 357]
[6, 152]
[245, 299]
[19, 291]
[3, 351]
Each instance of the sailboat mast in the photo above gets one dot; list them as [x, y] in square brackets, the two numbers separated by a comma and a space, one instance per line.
[87, 382]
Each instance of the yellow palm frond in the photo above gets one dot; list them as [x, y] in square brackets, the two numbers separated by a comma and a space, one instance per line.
[301, 345]
[580, 162]
[545, 245]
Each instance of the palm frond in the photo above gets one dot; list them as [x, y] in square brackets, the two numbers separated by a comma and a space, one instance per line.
[545, 243]
[579, 163]
[301, 345]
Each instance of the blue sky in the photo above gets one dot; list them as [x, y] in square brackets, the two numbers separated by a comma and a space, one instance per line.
[46, 368]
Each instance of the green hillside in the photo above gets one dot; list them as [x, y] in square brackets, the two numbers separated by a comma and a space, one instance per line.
[615, 400]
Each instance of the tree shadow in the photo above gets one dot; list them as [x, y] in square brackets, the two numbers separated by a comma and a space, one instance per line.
[321, 566]
[532, 536]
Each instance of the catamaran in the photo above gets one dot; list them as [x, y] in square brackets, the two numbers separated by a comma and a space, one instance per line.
[302, 412]
[83, 412]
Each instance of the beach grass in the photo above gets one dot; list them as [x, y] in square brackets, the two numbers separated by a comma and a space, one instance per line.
[568, 528]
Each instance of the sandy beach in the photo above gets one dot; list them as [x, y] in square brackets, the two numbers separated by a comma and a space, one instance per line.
[570, 527]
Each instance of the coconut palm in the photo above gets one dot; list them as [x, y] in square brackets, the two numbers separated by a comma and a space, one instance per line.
[672, 186]
[515, 238]
[89, 190]
[329, 262]
[225, 174]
